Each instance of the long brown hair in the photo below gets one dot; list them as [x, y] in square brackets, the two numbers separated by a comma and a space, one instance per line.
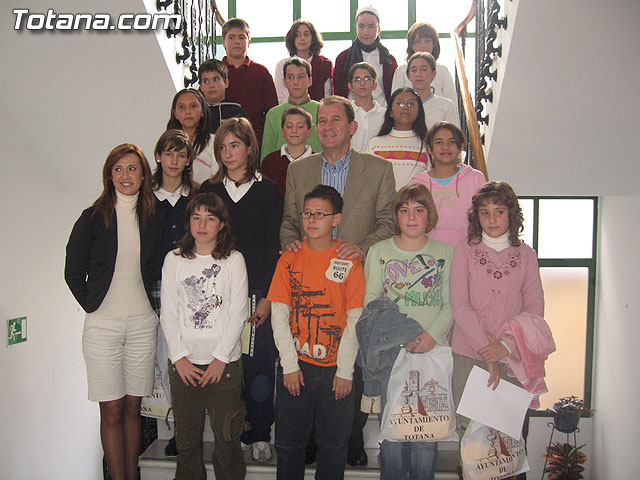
[215, 206]
[423, 30]
[498, 193]
[202, 136]
[316, 38]
[106, 202]
[241, 128]
[175, 140]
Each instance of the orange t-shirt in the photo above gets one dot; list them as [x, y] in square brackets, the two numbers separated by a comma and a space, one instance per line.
[320, 288]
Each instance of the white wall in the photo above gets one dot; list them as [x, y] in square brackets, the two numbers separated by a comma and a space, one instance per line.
[66, 100]
[566, 123]
[617, 389]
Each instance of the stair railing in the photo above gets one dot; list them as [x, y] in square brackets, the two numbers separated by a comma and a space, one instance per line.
[198, 32]
[477, 150]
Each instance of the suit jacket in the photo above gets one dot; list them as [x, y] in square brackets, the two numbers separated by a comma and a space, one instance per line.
[368, 199]
[91, 257]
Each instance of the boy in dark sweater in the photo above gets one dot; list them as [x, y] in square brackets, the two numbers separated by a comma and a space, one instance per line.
[250, 84]
[296, 127]
[213, 77]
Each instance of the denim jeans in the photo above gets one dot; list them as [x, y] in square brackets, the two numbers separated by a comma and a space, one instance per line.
[412, 460]
[226, 414]
[315, 406]
[402, 460]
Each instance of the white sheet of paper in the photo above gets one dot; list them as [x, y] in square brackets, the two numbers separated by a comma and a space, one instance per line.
[503, 408]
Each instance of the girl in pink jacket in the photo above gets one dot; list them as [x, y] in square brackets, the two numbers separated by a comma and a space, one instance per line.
[451, 183]
[494, 279]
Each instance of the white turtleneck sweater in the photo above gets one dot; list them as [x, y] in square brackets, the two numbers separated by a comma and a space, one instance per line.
[498, 243]
[126, 295]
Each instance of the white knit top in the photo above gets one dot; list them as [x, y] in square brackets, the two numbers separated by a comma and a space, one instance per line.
[126, 295]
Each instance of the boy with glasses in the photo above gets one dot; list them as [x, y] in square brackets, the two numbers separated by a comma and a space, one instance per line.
[369, 113]
[316, 301]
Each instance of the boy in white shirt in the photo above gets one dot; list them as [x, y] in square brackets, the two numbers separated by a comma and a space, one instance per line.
[421, 70]
[369, 113]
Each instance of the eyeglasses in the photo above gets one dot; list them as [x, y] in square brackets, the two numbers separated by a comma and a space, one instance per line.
[366, 79]
[405, 104]
[316, 215]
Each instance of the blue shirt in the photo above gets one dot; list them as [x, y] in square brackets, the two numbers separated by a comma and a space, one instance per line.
[445, 181]
[336, 176]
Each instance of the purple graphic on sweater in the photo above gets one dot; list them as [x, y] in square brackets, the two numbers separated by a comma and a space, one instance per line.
[201, 297]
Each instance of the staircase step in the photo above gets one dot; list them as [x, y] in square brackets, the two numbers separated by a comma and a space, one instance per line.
[155, 466]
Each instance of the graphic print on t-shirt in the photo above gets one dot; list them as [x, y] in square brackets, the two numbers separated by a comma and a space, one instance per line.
[202, 298]
[312, 323]
[416, 281]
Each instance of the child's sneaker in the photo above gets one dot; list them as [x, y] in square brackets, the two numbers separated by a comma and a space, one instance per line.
[261, 451]
[245, 446]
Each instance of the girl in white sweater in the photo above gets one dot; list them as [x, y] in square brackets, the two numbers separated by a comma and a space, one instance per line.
[402, 136]
[204, 299]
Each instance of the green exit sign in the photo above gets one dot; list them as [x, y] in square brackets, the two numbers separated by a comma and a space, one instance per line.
[16, 330]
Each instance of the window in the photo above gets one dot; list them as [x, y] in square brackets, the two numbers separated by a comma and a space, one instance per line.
[563, 231]
[334, 19]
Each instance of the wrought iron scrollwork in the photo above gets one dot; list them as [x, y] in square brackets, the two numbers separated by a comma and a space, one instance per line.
[488, 22]
[198, 33]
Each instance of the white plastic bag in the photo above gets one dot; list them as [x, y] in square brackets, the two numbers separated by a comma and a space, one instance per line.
[488, 454]
[419, 403]
[156, 405]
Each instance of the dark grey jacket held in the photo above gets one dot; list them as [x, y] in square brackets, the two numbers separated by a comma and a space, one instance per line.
[381, 331]
[91, 257]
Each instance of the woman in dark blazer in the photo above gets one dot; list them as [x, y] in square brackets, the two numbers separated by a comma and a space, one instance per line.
[110, 268]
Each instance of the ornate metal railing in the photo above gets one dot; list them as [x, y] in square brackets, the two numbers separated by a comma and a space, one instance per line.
[198, 32]
[488, 23]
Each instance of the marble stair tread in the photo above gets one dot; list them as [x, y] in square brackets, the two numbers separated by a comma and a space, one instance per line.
[155, 466]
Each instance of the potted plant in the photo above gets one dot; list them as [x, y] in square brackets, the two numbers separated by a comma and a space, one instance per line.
[567, 412]
[564, 461]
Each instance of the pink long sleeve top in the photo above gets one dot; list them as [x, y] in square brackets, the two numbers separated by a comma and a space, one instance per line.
[452, 203]
[488, 289]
